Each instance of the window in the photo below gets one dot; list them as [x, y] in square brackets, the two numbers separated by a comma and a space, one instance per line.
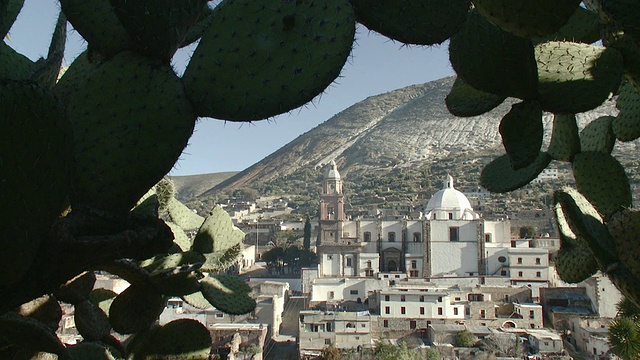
[454, 234]
[327, 341]
[483, 314]
[353, 292]
[439, 311]
[386, 298]
[421, 310]
[487, 238]
[413, 273]
[349, 261]
[502, 259]
[532, 314]
[387, 310]
[403, 310]
[219, 315]
[391, 236]
[329, 327]
[450, 216]
[513, 243]
[439, 298]
[329, 257]
[367, 236]
[455, 311]
[538, 274]
[519, 260]
[417, 237]
[503, 272]
[537, 261]
[421, 298]
[368, 264]
[519, 273]
[414, 264]
[351, 326]
[385, 323]
[403, 298]
[412, 324]
[330, 295]
[533, 326]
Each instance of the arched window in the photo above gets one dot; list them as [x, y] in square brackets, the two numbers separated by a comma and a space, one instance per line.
[417, 237]
[391, 236]
[351, 326]
[367, 236]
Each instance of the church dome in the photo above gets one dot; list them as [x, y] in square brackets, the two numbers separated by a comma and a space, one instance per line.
[450, 201]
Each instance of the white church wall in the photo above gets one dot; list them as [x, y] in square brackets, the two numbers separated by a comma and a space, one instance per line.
[368, 262]
[497, 261]
[454, 257]
[371, 227]
[349, 231]
[500, 231]
[440, 231]
[330, 265]
[391, 230]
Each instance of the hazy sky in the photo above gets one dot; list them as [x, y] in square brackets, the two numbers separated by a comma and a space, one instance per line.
[377, 65]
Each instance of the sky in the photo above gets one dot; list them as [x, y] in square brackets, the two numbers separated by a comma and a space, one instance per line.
[377, 65]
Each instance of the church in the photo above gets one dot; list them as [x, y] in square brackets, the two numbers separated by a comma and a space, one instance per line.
[448, 239]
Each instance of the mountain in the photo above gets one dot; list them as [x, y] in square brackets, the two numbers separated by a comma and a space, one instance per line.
[405, 128]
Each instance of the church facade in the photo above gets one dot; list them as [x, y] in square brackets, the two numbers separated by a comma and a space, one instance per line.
[449, 239]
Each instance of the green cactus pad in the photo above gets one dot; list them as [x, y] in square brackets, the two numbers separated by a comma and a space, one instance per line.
[27, 333]
[602, 180]
[583, 26]
[35, 171]
[630, 50]
[259, 59]
[158, 28]
[91, 322]
[217, 233]
[165, 190]
[522, 130]
[626, 126]
[96, 21]
[180, 339]
[464, 101]
[575, 78]
[13, 65]
[587, 224]
[180, 238]
[172, 261]
[419, 22]
[598, 135]
[624, 228]
[197, 300]
[528, 18]
[574, 262]
[222, 260]
[147, 111]
[102, 298]
[77, 289]
[74, 76]
[135, 309]
[92, 350]
[176, 282]
[499, 176]
[565, 140]
[229, 294]
[492, 60]
[45, 309]
[182, 216]
[9, 10]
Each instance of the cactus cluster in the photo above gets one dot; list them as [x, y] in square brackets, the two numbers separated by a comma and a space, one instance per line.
[84, 150]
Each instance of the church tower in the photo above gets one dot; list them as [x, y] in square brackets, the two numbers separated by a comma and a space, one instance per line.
[331, 206]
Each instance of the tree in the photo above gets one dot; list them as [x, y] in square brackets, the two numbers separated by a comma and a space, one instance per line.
[307, 234]
[465, 338]
[527, 232]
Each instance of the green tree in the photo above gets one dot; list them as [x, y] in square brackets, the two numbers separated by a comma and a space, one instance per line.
[527, 232]
[465, 338]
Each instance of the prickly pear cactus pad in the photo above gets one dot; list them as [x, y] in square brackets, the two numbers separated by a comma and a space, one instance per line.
[75, 74]
[522, 130]
[91, 322]
[97, 22]
[464, 101]
[77, 289]
[499, 176]
[34, 169]
[586, 223]
[130, 102]
[502, 63]
[157, 28]
[602, 180]
[223, 259]
[574, 262]
[45, 309]
[528, 18]
[135, 309]
[180, 339]
[626, 126]
[9, 10]
[91, 350]
[229, 294]
[598, 135]
[583, 26]
[259, 59]
[182, 216]
[624, 227]
[420, 22]
[13, 65]
[30, 334]
[565, 140]
[217, 233]
[575, 78]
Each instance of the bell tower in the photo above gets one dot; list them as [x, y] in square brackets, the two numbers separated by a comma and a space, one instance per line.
[331, 206]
